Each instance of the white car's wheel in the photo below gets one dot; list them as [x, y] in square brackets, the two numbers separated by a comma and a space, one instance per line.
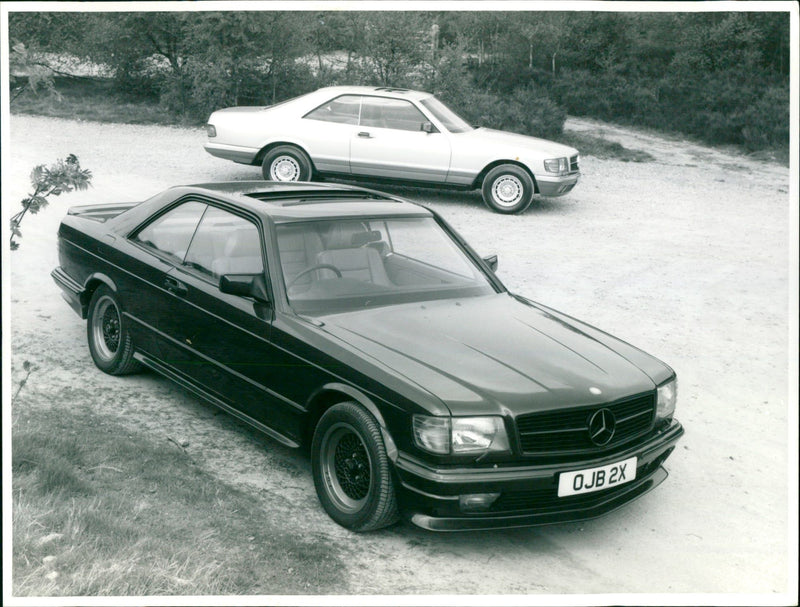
[508, 189]
[286, 163]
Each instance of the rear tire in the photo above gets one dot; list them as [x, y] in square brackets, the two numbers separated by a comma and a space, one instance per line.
[352, 473]
[508, 189]
[110, 343]
[286, 163]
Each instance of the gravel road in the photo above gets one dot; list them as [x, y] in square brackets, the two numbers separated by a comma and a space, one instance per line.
[687, 257]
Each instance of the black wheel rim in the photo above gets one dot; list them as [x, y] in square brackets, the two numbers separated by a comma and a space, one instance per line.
[106, 328]
[346, 467]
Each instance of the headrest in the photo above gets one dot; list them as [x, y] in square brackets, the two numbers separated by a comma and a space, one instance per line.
[346, 235]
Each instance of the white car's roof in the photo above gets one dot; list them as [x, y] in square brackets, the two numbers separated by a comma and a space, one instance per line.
[387, 91]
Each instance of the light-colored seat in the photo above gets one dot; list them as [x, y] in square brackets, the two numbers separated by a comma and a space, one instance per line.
[359, 262]
[362, 264]
[242, 254]
[299, 247]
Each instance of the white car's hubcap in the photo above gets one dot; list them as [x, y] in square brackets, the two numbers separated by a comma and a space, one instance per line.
[284, 168]
[507, 190]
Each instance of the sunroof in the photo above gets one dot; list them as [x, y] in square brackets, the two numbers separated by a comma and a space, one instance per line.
[315, 196]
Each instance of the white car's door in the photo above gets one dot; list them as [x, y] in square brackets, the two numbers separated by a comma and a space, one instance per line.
[389, 142]
[327, 130]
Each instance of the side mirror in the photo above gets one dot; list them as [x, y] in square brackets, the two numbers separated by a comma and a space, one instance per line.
[491, 261]
[427, 127]
[246, 285]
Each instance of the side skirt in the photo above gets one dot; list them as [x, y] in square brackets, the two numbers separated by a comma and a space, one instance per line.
[197, 391]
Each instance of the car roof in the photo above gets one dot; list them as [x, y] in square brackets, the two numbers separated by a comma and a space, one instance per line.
[303, 200]
[388, 91]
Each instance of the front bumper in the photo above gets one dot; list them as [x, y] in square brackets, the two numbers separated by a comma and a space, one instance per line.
[429, 497]
[556, 186]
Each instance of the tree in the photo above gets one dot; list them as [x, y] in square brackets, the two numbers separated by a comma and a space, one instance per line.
[393, 46]
[62, 176]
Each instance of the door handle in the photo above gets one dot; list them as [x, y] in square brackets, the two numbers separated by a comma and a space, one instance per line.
[176, 287]
[365, 135]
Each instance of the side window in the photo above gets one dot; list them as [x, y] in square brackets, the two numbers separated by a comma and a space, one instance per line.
[225, 244]
[391, 114]
[172, 232]
[343, 110]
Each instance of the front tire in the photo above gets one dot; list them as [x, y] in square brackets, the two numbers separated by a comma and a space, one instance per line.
[110, 343]
[508, 189]
[286, 163]
[352, 473]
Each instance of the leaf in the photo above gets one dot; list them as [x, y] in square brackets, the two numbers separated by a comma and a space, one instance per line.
[35, 203]
[39, 175]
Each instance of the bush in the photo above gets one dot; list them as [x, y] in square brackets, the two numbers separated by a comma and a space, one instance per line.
[766, 122]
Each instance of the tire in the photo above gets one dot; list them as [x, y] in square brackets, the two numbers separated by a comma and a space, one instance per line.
[110, 342]
[352, 473]
[508, 189]
[286, 163]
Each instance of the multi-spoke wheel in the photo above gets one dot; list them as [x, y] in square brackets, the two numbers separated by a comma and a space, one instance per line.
[286, 163]
[351, 469]
[508, 189]
[109, 341]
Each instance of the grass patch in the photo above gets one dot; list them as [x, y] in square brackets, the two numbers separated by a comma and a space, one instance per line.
[99, 511]
[598, 147]
[92, 99]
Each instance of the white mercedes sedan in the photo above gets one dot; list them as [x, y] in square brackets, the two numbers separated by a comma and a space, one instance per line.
[391, 134]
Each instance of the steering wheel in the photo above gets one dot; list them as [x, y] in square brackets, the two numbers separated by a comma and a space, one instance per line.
[319, 266]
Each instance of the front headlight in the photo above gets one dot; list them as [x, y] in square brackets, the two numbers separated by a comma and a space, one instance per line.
[667, 396]
[459, 435]
[211, 130]
[557, 165]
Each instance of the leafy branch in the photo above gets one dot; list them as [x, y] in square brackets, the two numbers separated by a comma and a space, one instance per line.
[64, 176]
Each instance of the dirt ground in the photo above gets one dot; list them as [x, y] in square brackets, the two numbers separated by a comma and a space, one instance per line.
[687, 257]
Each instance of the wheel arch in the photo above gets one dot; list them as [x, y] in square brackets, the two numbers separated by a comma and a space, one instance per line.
[478, 183]
[333, 393]
[90, 286]
[274, 144]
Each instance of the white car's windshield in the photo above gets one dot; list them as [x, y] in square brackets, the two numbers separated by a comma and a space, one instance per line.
[344, 264]
[451, 121]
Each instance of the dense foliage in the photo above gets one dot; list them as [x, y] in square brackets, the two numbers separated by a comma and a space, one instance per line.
[720, 76]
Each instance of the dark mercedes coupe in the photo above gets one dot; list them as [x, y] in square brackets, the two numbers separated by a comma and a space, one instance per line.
[361, 326]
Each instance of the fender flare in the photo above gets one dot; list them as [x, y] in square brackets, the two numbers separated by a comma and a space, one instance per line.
[366, 402]
[90, 285]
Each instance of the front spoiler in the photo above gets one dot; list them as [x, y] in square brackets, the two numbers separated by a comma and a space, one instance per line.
[556, 186]
[429, 497]
[636, 489]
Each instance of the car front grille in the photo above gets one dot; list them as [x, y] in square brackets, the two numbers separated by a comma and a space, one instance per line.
[573, 164]
[567, 431]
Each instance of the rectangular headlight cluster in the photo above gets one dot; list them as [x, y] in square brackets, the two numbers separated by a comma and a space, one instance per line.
[560, 166]
[460, 435]
[667, 397]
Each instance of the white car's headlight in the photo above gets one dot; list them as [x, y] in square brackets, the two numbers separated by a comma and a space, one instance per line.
[557, 165]
[459, 435]
[211, 130]
[667, 396]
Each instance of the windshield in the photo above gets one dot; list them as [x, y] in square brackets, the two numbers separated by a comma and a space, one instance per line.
[451, 121]
[345, 264]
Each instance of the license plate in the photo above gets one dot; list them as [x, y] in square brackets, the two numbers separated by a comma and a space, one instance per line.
[596, 479]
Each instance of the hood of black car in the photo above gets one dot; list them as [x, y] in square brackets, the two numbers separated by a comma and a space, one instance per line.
[496, 354]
